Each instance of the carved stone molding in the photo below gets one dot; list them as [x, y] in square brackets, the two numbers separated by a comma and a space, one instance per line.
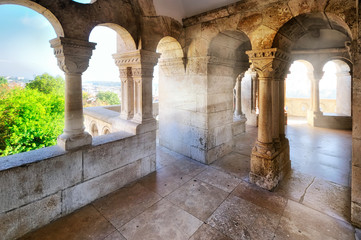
[139, 57]
[72, 54]
[270, 63]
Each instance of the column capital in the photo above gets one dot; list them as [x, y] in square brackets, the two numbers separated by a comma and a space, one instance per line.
[138, 57]
[73, 55]
[270, 63]
[141, 61]
[173, 66]
[318, 74]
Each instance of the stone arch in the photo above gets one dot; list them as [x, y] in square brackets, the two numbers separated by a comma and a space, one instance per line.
[309, 24]
[230, 47]
[341, 74]
[105, 131]
[169, 47]
[41, 10]
[94, 129]
[125, 41]
[299, 89]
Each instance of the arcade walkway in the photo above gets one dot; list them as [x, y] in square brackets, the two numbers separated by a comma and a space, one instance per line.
[184, 199]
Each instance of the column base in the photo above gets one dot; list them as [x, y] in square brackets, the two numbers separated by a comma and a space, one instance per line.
[71, 142]
[313, 117]
[269, 165]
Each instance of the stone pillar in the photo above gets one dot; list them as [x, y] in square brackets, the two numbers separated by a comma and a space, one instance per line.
[343, 97]
[315, 113]
[73, 58]
[316, 91]
[125, 74]
[269, 160]
[142, 73]
[136, 73]
[238, 114]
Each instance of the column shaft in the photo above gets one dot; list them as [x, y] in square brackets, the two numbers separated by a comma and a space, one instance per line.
[73, 105]
[265, 110]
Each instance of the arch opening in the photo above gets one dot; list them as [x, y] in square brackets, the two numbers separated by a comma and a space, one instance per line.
[32, 102]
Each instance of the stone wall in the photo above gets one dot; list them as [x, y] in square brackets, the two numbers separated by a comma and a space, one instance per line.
[43, 185]
[298, 106]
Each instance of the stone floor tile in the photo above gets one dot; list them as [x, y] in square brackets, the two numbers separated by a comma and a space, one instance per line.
[206, 232]
[115, 236]
[162, 221]
[235, 164]
[219, 179]
[301, 222]
[294, 185]
[165, 180]
[260, 197]
[358, 234]
[240, 219]
[189, 167]
[86, 223]
[164, 157]
[329, 198]
[243, 149]
[125, 204]
[198, 198]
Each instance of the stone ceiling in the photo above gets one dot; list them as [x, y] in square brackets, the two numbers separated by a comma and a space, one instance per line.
[179, 9]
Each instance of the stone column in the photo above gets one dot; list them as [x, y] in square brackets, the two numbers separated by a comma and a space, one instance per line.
[268, 163]
[280, 78]
[73, 58]
[315, 113]
[125, 74]
[316, 91]
[142, 72]
[343, 97]
[238, 114]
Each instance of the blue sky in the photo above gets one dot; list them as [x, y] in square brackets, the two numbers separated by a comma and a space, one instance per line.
[25, 49]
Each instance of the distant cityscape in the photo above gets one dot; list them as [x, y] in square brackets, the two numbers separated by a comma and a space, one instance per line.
[91, 87]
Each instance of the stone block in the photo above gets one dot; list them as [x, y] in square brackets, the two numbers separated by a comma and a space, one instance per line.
[355, 185]
[356, 152]
[238, 127]
[218, 152]
[198, 154]
[40, 179]
[219, 135]
[86, 192]
[148, 165]
[356, 214]
[19, 221]
[220, 118]
[109, 156]
[356, 123]
[199, 120]
[220, 102]
[199, 138]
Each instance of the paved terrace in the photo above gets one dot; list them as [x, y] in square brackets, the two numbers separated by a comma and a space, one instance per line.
[184, 199]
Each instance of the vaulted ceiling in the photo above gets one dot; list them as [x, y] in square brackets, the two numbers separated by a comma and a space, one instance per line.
[179, 9]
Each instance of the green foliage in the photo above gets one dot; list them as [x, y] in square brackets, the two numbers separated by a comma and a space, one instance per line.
[3, 80]
[29, 118]
[48, 84]
[108, 98]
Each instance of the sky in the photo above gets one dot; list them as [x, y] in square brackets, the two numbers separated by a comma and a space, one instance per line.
[25, 49]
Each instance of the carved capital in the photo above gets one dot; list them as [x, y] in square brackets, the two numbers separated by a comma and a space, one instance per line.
[73, 55]
[134, 58]
[270, 63]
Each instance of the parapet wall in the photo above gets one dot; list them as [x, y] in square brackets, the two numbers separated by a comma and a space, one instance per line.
[40, 186]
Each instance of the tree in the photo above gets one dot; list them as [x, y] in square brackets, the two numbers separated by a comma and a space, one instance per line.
[3, 80]
[29, 120]
[108, 98]
[48, 84]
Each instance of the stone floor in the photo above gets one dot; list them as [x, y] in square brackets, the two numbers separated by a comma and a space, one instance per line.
[184, 199]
